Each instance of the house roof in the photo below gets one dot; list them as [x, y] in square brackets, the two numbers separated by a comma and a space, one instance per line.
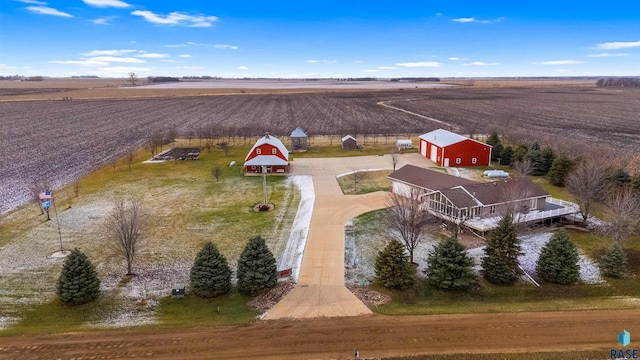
[460, 197]
[428, 179]
[347, 137]
[266, 160]
[298, 133]
[501, 191]
[271, 140]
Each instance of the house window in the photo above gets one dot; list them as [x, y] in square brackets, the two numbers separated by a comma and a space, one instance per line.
[492, 209]
[253, 168]
[258, 151]
[474, 160]
[274, 151]
[458, 160]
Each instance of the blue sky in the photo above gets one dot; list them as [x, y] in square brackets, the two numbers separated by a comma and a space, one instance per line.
[299, 39]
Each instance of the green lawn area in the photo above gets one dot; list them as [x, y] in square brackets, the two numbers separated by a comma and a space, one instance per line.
[372, 181]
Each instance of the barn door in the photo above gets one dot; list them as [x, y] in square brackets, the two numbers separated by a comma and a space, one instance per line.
[434, 154]
[446, 162]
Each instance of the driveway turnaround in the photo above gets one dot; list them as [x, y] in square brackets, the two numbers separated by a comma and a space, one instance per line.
[320, 291]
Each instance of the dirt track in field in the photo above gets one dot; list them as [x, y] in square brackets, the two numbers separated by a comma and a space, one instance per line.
[375, 336]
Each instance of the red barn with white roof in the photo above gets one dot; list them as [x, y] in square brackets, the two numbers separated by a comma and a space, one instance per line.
[268, 152]
[449, 149]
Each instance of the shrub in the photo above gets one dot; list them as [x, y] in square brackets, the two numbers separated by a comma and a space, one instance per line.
[450, 267]
[210, 275]
[78, 282]
[558, 261]
[393, 269]
[257, 271]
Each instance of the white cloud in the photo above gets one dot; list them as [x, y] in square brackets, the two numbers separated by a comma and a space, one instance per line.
[561, 62]
[562, 70]
[90, 62]
[124, 70]
[313, 61]
[387, 67]
[189, 43]
[110, 59]
[419, 64]
[44, 10]
[35, 2]
[464, 20]
[243, 68]
[107, 3]
[152, 55]
[480, 63]
[190, 67]
[169, 61]
[103, 20]
[357, 61]
[457, 59]
[607, 55]
[329, 61]
[371, 71]
[176, 18]
[224, 46]
[618, 45]
[185, 55]
[108, 52]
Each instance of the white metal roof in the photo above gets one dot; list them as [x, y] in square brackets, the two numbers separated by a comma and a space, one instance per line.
[442, 138]
[401, 141]
[348, 137]
[265, 160]
[298, 133]
[271, 140]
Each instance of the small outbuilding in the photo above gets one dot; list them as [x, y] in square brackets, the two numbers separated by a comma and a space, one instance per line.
[299, 139]
[349, 143]
[402, 144]
[268, 155]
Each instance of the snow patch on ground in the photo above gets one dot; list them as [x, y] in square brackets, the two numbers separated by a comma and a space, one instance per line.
[531, 247]
[292, 256]
[6, 321]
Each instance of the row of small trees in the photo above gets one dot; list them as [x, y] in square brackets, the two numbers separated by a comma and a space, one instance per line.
[210, 274]
[451, 268]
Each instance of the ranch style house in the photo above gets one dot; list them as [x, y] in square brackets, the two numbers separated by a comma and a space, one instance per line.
[449, 149]
[269, 154]
[478, 206]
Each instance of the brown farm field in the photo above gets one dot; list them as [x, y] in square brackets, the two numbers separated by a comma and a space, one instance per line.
[63, 140]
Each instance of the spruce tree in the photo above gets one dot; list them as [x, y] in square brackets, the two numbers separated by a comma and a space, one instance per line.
[450, 267]
[393, 269]
[500, 264]
[210, 275]
[506, 155]
[614, 262]
[559, 170]
[558, 261]
[78, 282]
[257, 271]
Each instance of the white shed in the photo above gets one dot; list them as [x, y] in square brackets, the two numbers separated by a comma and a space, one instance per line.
[404, 144]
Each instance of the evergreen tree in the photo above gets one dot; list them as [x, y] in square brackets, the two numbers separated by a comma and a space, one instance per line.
[493, 139]
[500, 264]
[210, 275]
[257, 271]
[450, 267]
[558, 261]
[78, 282]
[547, 159]
[620, 177]
[496, 144]
[537, 162]
[393, 269]
[520, 153]
[614, 262]
[506, 156]
[559, 170]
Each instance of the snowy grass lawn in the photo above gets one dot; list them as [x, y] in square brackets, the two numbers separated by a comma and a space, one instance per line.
[186, 208]
[367, 234]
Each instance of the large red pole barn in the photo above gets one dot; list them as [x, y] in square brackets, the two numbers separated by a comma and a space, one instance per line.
[449, 149]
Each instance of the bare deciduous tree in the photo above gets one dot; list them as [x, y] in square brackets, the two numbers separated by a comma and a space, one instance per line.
[216, 172]
[512, 195]
[125, 228]
[357, 176]
[523, 167]
[132, 78]
[130, 155]
[624, 209]
[394, 159]
[588, 184]
[408, 216]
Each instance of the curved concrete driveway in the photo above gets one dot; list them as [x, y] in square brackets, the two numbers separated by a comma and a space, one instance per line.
[320, 290]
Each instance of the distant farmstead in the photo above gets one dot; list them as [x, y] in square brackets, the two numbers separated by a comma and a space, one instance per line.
[269, 154]
[449, 149]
